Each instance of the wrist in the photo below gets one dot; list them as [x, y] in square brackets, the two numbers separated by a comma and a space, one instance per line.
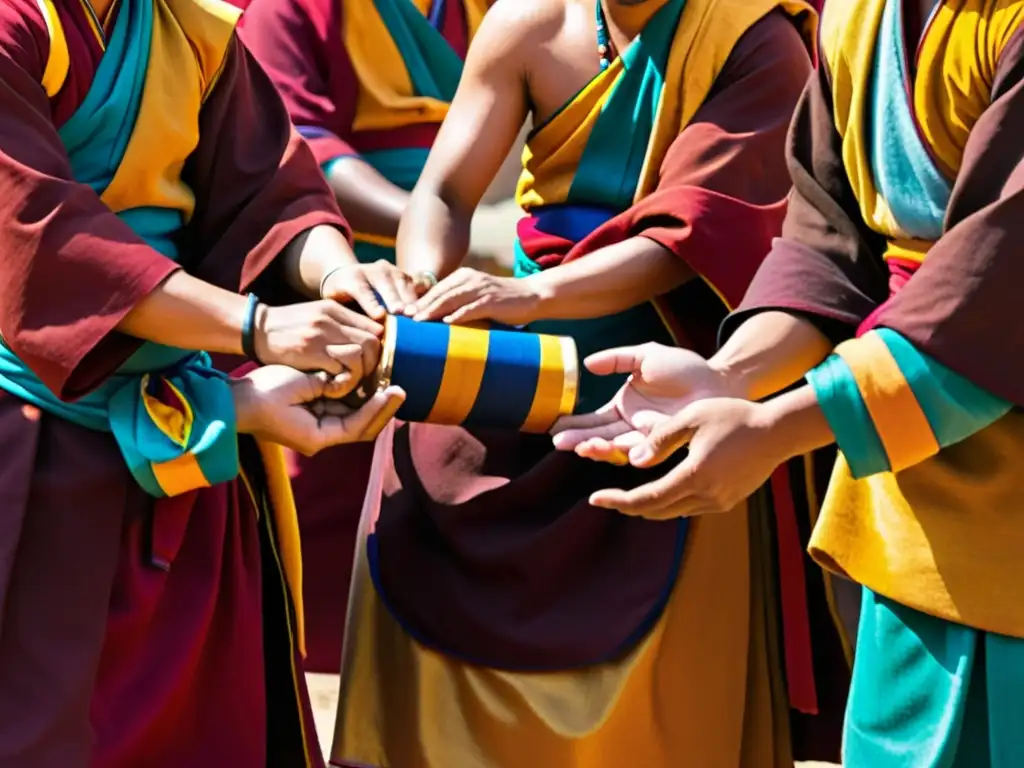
[797, 420]
[246, 405]
[544, 293]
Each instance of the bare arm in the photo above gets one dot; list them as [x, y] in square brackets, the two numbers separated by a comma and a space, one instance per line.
[483, 123]
[371, 203]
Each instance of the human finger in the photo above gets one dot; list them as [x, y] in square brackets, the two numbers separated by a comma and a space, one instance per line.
[357, 424]
[471, 312]
[358, 289]
[570, 439]
[650, 498]
[598, 449]
[351, 358]
[444, 304]
[664, 438]
[617, 360]
[606, 414]
[353, 321]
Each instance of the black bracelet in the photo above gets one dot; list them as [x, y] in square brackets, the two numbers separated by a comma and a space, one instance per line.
[249, 328]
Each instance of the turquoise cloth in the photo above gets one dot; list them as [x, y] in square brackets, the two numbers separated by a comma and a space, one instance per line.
[905, 173]
[96, 138]
[954, 406]
[928, 693]
[434, 68]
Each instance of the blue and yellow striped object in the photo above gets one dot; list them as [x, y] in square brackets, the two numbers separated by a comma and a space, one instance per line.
[478, 377]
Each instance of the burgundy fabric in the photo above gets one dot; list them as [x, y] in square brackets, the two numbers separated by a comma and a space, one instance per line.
[178, 675]
[299, 43]
[106, 660]
[329, 491]
[487, 547]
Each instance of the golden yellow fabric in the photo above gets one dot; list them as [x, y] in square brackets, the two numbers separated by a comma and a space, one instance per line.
[180, 475]
[928, 536]
[955, 70]
[708, 31]
[190, 44]
[463, 373]
[286, 525]
[699, 686]
[58, 60]
[386, 98]
[552, 380]
[903, 428]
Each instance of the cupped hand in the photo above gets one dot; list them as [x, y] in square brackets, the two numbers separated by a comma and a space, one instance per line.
[469, 295]
[378, 288]
[734, 444]
[662, 381]
[319, 336]
[301, 410]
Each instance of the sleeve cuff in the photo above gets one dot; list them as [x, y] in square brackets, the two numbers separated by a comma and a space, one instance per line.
[840, 400]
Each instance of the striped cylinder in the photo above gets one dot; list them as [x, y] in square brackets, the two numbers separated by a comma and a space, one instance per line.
[478, 377]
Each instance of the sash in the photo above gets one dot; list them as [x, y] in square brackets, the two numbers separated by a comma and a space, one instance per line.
[169, 410]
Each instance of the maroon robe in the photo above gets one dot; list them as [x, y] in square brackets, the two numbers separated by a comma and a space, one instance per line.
[299, 43]
[135, 632]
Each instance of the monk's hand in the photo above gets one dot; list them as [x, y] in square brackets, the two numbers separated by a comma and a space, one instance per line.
[468, 295]
[734, 445]
[662, 381]
[319, 336]
[301, 410]
[378, 288]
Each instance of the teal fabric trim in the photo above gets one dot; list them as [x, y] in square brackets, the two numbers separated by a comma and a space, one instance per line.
[434, 68]
[96, 138]
[928, 693]
[847, 415]
[905, 174]
[367, 253]
[613, 159]
[402, 167]
[955, 407]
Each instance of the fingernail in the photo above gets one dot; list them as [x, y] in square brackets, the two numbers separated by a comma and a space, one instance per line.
[640, 454]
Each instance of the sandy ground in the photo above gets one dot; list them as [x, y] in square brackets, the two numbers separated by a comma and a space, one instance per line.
[323, 690]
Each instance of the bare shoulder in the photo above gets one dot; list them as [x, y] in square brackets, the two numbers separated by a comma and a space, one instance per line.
[513, 30]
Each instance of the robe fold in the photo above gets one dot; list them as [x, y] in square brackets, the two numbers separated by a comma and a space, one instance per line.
[150, 602]
[900, 244]
[370, 80]
[496, 619]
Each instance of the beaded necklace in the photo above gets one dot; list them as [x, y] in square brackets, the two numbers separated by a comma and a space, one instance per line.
[605, 47]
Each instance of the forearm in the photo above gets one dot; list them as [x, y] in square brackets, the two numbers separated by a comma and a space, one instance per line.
[769, 352]
[371, 203]
[310, 257]
[189, 313]
[608, 281]
[434, 235]
[799, 421]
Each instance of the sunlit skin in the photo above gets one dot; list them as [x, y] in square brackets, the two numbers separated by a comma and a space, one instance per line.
[528, 59]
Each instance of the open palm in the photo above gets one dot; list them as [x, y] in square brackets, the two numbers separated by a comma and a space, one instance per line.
[662, 380]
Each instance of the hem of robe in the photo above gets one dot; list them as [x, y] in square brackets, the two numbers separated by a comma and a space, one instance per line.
[716, 694]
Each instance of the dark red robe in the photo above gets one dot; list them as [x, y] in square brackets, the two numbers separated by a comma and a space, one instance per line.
[108, 658]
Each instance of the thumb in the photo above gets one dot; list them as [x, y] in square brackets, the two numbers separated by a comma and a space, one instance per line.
[664, 439]
[618, 360]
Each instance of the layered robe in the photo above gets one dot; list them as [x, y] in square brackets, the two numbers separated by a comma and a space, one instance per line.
[496, 619]
[150, 580]
[902, 244]
[373, 80]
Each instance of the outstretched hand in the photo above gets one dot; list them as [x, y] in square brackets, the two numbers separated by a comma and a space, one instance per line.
[302, 411]
[663, 380]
